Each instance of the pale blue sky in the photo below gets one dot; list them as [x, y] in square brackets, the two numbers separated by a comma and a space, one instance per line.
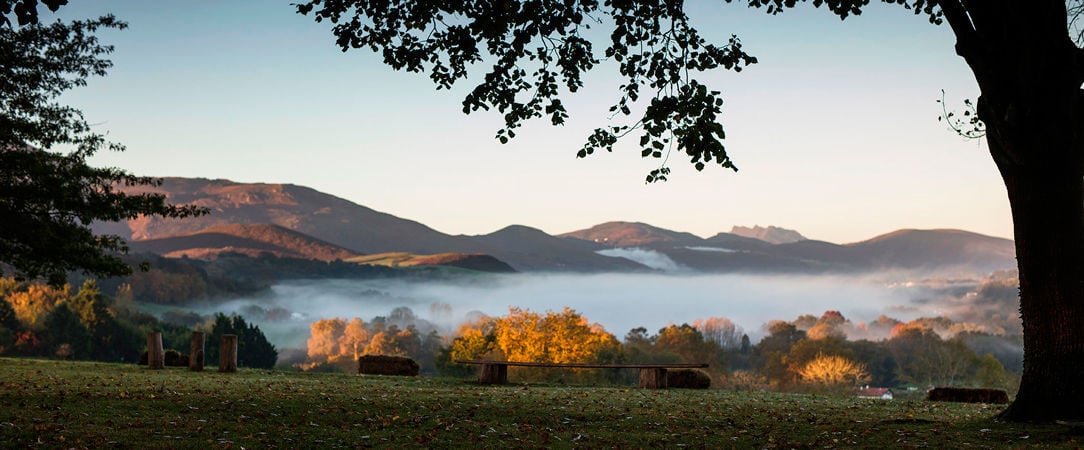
[835, 130]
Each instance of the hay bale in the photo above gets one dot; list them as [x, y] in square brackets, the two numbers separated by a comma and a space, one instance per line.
[688, 379]
[387, 365]
[967, 395]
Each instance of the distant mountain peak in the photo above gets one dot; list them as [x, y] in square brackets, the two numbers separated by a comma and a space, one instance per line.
[771, 234]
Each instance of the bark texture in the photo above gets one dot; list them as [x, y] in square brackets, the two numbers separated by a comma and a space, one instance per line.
[196, 351]
[653, 378]
[156, 355]
[494, 374]
[1029, 73]
[227, 353]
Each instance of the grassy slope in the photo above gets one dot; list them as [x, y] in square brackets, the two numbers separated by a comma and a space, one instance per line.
[56, 404]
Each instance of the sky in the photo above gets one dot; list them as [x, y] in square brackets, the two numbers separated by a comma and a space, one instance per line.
[835, 130]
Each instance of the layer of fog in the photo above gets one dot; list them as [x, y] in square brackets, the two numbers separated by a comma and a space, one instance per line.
[649, 258]
[619, 302]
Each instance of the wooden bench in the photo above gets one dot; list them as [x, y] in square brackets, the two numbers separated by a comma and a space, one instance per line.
[652, 376]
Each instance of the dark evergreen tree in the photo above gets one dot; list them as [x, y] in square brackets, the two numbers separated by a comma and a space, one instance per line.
[64, 328]
[253, 348]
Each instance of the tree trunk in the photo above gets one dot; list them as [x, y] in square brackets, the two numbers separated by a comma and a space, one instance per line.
[227, 353]
[1035, 140]
[494, 374]
[653, 378]
[196, 352]
[1049, 232]
[1030, 73]
[156, 355]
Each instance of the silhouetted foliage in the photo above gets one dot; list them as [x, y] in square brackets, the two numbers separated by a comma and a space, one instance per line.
[49, 195]
[539, 52]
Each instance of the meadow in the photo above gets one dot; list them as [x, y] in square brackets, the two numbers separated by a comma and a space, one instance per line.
[65, 404]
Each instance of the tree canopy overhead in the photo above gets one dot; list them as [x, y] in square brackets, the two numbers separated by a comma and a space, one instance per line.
[537, 52]
[49, 195]
[1022, 53]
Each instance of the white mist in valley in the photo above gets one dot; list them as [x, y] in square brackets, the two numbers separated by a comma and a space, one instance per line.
[619, 302]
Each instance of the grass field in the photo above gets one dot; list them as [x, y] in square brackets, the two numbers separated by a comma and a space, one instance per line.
[58, 404]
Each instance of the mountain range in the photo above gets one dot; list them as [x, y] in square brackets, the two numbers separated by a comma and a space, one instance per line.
[295, 221]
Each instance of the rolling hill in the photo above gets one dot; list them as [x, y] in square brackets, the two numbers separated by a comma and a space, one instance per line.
[298, 221]
[477, 262]
[936, 249]
[351, 226]
[771, 234]
[250, 240]
[631, 234]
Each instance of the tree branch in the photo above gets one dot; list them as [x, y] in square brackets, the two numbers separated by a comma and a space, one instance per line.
[967, 39]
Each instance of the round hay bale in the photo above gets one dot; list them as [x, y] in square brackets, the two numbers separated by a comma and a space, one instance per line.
[688, 379]
[387, 365]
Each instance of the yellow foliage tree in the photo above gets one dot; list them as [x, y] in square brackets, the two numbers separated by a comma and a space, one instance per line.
[558, 337]
[355, 337]
[395, 342]
[475, 340]
[520, 336]
[833, 370]
[327, 336]
[36, 301]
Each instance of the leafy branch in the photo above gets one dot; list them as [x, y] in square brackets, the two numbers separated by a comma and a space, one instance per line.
[966, 124]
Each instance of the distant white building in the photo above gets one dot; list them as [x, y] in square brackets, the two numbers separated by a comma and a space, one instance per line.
[881, 393]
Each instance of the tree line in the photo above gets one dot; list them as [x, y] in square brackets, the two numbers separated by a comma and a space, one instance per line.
[808, 354]
[44, 321]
